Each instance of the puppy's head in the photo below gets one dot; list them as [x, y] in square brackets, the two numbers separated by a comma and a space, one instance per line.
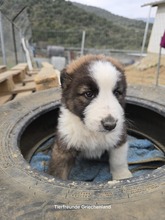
[94, 89]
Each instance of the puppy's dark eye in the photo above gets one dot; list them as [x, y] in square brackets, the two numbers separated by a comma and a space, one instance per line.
[117, 92]
[89, 95]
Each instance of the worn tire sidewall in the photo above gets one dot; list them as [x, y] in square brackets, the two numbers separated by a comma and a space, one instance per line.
[19, 176]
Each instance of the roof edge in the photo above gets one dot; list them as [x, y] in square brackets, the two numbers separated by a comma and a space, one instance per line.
[154, 4]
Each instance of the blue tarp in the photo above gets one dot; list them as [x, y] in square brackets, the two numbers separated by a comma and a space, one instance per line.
[143, 157]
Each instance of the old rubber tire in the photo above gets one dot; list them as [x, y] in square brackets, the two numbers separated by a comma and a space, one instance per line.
[28, 194]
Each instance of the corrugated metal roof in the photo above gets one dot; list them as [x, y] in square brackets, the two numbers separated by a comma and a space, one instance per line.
[155, 3]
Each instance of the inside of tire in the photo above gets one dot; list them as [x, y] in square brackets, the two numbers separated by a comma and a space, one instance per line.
[145, 124]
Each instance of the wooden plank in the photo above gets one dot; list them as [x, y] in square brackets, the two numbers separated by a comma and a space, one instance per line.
[17, 75]
[28, 79]
[20, 66]
[2, 68]
[6, 84]
[27, 87]
[47, 65]
[33, 72]
[5, 98]
[3, 78]
[47, 78]
[23, 67]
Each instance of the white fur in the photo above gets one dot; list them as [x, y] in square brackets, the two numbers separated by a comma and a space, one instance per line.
[106, 77]
[118, 162]
[75, 133]
[105, 74]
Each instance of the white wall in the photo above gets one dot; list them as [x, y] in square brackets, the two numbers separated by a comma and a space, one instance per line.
[157, 31]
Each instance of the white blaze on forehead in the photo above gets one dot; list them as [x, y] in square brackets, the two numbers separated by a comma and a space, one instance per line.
[105, 74]
[105, 103]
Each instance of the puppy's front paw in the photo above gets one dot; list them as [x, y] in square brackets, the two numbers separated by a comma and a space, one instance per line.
[119, 175]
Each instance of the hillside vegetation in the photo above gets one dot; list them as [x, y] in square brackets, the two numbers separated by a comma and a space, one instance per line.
[61, 22]
[118, 20]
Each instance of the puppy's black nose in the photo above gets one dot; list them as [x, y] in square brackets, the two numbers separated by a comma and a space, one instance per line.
[109, 123]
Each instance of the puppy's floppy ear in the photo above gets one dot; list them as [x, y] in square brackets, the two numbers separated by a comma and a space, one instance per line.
[65, 79]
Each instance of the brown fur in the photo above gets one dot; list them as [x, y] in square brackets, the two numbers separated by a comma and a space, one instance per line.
[75, 65]
[61, 162]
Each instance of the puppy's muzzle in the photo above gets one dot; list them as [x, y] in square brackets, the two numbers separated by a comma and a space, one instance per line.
[109, 123]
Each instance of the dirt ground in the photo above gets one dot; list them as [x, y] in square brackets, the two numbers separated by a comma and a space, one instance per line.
[144, 72]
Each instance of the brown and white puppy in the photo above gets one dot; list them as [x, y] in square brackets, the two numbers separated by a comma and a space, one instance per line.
[91, 116]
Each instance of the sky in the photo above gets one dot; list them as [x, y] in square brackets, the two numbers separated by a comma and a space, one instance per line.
[127, 8]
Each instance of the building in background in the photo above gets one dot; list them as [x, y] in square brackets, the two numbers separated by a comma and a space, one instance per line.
[158, 27]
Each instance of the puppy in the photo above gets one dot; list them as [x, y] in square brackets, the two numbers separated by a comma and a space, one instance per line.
[91, 117]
